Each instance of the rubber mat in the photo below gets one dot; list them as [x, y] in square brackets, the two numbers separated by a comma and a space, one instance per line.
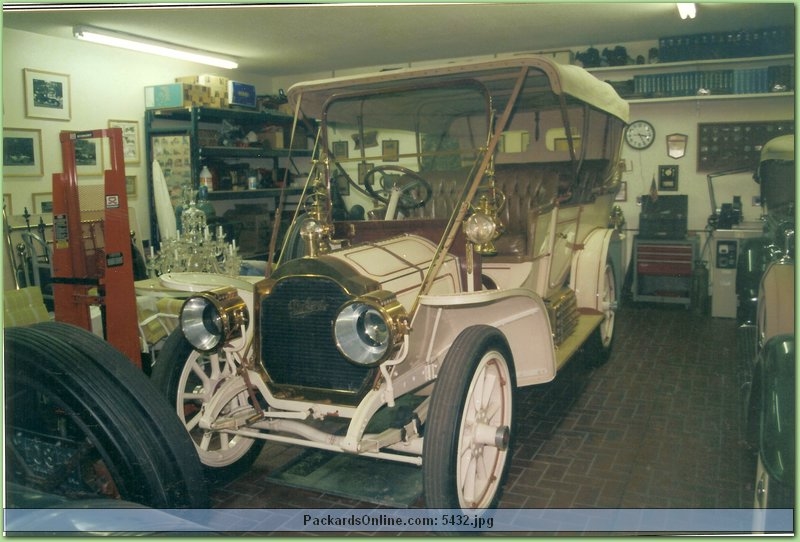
[387, 483]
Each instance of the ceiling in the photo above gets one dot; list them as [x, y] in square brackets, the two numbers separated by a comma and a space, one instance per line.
[286, 39]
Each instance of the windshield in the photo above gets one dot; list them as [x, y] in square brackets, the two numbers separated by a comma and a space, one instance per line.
[381, 138]
[374, 141]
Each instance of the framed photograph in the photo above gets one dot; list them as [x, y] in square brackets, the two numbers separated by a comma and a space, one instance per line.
[130, 186]
[47, 95]
[390, 150]
[341, 150]
[42, 202]
[130, 139]
[363, 168]
[22, 152]
[622, 195]
[89, 156]
[7, 204]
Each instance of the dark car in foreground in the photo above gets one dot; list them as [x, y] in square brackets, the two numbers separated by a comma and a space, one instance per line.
[766, 306]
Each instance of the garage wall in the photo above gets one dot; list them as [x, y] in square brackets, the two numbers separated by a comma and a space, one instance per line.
[105, 84]
[108, 84]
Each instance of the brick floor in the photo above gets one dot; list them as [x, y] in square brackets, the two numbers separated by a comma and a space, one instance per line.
[658, 426]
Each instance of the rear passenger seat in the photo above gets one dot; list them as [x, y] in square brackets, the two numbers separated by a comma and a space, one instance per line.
[528, 188]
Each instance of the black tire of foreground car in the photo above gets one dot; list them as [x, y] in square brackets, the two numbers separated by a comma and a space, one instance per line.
[597, 349]
[73, 399]
[176, 376]
[469, 432]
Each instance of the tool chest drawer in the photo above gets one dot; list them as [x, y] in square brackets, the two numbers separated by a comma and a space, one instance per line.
[663, 270]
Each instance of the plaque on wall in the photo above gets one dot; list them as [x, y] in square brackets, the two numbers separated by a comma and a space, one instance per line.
[733, 145]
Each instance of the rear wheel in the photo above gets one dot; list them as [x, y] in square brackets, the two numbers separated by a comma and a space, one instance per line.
[84, 423]
[466, 453]
[597, 349]
[189, 379]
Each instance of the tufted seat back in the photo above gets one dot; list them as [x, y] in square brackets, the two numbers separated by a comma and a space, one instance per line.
[527, 187]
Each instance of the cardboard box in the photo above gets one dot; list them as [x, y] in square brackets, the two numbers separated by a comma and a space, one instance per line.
[241, 94]
[212, 81]
[273, 135]
[175, 95]
[217, 87]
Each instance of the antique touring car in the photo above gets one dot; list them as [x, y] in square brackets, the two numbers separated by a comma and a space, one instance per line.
[455, 240]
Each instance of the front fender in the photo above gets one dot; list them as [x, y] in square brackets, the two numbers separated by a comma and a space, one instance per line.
[777, 412]
[518, 313]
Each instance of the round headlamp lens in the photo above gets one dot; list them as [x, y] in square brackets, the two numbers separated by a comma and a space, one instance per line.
[372, 329]
[362, 333]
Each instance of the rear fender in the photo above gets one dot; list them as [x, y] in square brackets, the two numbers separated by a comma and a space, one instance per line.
[588, 267]
[519, 314]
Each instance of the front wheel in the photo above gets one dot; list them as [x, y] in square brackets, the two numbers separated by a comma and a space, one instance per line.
[466, 453]
[189, 379]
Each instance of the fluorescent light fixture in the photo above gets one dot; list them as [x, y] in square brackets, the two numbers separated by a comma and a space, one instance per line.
[687, 11]
[146, 45]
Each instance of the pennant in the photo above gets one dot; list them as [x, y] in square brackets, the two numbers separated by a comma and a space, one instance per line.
[653, 190]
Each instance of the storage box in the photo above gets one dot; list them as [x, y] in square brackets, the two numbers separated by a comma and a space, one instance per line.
[217, 87]
[664, 218]
[273, 136]
[241, 94]
[175, 95]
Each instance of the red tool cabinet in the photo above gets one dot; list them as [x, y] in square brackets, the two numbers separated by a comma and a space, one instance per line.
[663, 269]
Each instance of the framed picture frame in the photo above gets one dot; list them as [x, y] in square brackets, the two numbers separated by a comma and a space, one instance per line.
[130, 186]
[363, 168]
[622, 195]
[130, 139]
[390, 150]
[89, 156]
[42, 202]
[47, 95]
[668, 178]
[341, 150]
[7, 204]
[22, 152]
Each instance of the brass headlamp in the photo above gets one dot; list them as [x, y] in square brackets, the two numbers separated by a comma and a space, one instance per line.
[369, 329]
[210, 319]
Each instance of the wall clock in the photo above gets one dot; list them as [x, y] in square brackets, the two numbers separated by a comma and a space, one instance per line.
[640, 134]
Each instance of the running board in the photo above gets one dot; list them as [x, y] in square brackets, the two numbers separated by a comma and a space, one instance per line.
[587, 322]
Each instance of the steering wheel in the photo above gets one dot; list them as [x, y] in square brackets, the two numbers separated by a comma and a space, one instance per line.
[414, 190]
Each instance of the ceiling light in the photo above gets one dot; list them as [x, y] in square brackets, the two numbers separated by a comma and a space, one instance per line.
[687, 11]
[146, 45]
